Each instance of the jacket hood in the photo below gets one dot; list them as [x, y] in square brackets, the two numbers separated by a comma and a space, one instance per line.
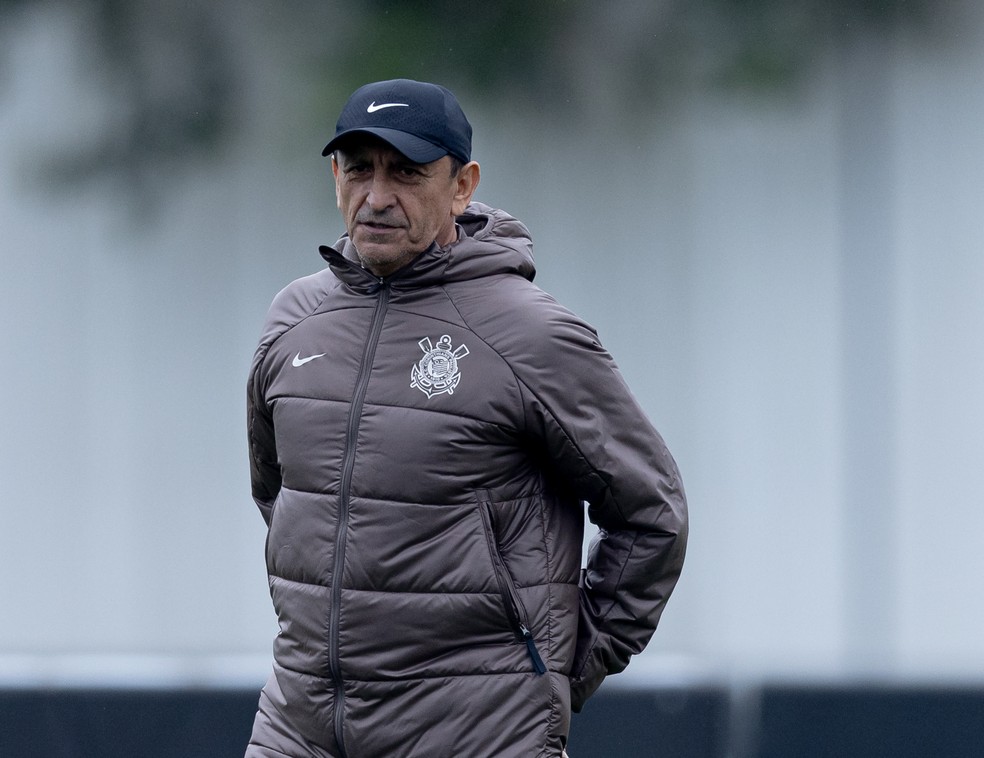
[489, 242]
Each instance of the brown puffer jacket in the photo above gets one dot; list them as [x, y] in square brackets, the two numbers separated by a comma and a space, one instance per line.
[420, 448]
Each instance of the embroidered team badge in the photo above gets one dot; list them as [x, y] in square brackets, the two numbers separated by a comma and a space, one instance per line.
[437, 372]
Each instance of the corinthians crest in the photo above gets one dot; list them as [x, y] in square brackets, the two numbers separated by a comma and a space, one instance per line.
[437, 371]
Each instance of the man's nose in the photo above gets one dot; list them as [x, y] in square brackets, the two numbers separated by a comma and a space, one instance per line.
[380, 193]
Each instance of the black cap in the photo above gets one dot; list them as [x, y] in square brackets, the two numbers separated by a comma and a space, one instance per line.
[421, 120]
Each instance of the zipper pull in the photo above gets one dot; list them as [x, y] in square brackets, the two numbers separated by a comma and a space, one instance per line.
[538, 665]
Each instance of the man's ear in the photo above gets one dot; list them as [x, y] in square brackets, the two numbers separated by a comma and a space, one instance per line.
[466, 182]
[334, 171]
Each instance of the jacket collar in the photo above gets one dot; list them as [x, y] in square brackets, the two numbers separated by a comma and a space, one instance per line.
[488, 242]
[423, 270]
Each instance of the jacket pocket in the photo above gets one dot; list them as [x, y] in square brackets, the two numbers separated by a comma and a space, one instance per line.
[511, 601]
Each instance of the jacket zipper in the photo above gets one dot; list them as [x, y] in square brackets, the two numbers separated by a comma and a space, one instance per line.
[507, 589]
[348, 466]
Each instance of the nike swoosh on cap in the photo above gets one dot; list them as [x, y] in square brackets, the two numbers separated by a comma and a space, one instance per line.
[299, 361]
[373, 107]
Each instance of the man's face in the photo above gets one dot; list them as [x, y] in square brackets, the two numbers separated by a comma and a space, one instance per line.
[394, 208]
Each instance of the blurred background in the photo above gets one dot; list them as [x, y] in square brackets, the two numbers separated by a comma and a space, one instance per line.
[772, 211]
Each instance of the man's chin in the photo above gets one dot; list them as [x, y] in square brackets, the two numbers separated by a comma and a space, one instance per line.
[383, 261]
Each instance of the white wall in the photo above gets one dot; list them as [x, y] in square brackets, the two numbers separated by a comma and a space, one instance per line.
[719, 252]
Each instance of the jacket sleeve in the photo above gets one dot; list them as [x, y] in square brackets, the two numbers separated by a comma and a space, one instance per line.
[596, 436]
[291, 305]
[264, 468]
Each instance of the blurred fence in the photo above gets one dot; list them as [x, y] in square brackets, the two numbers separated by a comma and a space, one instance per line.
[770, 721]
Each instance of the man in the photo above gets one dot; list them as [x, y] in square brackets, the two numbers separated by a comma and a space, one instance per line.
[424, 427]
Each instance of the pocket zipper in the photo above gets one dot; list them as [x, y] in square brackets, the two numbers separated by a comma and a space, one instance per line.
[511, 601]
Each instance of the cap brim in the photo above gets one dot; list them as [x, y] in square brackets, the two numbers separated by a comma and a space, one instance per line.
[416, 149]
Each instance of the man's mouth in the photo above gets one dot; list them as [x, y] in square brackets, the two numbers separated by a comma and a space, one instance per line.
[379, 227]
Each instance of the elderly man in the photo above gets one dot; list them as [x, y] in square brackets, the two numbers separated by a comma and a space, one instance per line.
[425, 426]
